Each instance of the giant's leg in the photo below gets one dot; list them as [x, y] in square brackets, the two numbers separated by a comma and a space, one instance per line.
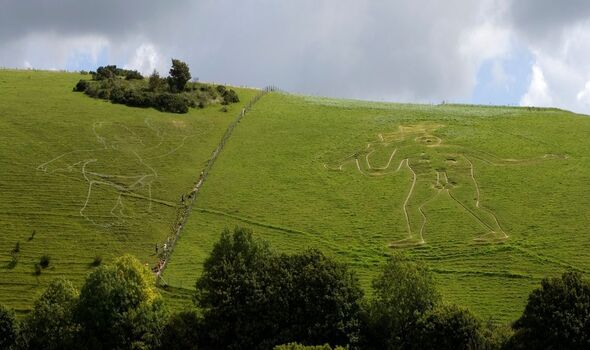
[421, 191]
[467, 193]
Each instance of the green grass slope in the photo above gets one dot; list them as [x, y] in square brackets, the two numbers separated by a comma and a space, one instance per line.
[90, 178]
[492, 198]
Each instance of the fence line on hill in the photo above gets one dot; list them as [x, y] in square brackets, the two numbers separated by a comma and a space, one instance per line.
[188, 200]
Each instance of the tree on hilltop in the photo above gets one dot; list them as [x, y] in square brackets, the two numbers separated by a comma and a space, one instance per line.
[179, 75]
[155, 83]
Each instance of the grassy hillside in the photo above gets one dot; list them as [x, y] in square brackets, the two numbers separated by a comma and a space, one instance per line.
[492, 198]
[82, 178]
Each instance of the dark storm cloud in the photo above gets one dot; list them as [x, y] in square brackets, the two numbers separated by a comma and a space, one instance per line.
[19, 18]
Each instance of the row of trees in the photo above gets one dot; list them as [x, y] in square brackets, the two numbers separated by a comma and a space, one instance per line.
[249, 297]
[171, 94]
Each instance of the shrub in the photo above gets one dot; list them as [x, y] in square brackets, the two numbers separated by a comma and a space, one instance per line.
[220, 89]
[8, 328]
[13, 260]
[230, 96]
[117, 95]
[156, 83]
[448, 327]
[133, 74]
[16, 248]
[96, 261]
[137, 98]
[104, 94]
[106, 72]
[297, 346]
[183, 331]
[92, 90]
[44, 261]
[496, 336]
[174, 103]
[81, 85]
[37, 270]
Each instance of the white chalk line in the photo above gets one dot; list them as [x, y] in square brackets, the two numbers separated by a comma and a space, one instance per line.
[141, 180]
[423, 134]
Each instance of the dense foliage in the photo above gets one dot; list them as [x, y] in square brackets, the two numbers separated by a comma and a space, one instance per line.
[557, 315]
[118, 307]
[403, 292]
[8, 328]
[447, 327]
[111, 72]
[250, 297]
[51, 325]
[173, 94]
[179, 75]
[297, 346]
[182, 332]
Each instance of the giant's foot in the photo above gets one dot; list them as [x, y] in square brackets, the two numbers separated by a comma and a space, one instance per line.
[409, 242]
[491, 237]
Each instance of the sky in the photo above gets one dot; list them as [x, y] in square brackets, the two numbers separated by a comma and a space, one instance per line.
[509, 52]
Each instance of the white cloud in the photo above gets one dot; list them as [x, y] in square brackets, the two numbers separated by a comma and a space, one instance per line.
[565, 67]
[538, 93]
[583, 96]
[146, 59]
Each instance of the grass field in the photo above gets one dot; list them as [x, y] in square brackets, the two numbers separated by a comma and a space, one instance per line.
[82, 178]
[492, 198]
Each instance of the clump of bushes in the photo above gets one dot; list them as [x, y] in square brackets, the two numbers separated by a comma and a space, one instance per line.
[174, 103]
[96, 261]
[228, 95]
[173, 94]
[44, 261]
[14, 256]
[111, 72]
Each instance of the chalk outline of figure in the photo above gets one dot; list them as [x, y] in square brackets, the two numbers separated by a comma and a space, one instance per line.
[423, 135]
[86, 157]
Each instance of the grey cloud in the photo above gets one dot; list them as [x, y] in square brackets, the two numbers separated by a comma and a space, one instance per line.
[19, 18]
[378, 49]
[392, 50]
[543, 21]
